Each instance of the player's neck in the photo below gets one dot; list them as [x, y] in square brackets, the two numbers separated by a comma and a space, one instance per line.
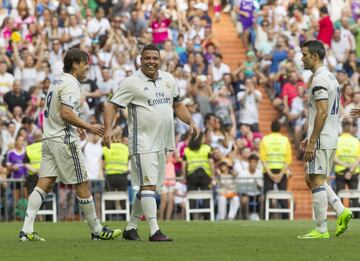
[73, 74]
[151, 77]
[316, 67]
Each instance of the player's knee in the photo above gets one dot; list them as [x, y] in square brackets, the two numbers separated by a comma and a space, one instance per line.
[315, 180]
[46, 184]
[148, 187]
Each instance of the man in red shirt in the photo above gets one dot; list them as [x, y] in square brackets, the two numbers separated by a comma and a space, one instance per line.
[326, 27]
[290, 90]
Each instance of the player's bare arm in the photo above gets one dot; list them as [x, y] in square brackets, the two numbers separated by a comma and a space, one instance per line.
[69, 116]
[183, 114]
[109, 115]
[320, 118]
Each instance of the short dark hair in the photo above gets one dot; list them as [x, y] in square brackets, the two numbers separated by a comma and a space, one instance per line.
[346, 126]
[218, 55]
[149, 47]
[323, 10]
[253, 157]
[74, 56]
[195, 143]
[275, 126]
[27, 120]
[317, 47]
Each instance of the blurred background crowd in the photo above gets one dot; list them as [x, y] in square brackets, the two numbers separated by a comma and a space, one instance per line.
[34, 36]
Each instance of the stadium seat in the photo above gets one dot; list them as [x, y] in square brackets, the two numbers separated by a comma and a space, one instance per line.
[115, 196]
[199, 195]
[274, 194]
[350, 194]
[51, 197]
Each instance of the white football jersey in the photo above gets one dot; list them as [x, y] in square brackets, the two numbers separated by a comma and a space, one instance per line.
[65, 89]
[324, 86]
[150, 111]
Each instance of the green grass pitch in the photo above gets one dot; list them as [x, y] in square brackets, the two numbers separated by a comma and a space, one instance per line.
[196, 240]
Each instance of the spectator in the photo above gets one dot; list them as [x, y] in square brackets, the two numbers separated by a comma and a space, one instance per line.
[241, 162]
[75, 33]
[8, 135]
[248, 137]
[289, 92]
[226, 191]
[218, 69]
[15, 162]
[276, 156]
[98, 25]
[116, 163]
[32, 159]
[93, 158]
[249, 102]
[17, 97]
[245, 11]
[347, 159]
[27, 70]
[160, 26]
[198, 167]
[340, 47]
[218, 137]
[326, 26]
[251, 183]
[167, 190]
[6, 80]
[180, 197]
[297, 118]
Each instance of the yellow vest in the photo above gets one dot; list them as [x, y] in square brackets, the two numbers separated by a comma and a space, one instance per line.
[116, 159]
[198, 159]
[347, 151]
[33, 152]
[274, 150]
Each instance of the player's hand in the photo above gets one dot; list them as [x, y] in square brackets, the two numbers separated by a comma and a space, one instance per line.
[82, 133]
[107, 139]
[355, 112]
[309, 151]
[194, 130]
[303, 145]
[98, 129]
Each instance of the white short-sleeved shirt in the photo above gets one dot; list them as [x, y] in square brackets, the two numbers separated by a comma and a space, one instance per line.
[63, 90]
[150, 115]
[324, 86]
[218, 73]
[249, 113]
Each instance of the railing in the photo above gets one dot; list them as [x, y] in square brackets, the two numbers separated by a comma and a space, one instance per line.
[14, 194]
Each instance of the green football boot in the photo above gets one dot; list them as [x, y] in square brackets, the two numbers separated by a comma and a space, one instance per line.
[315, 234]
[107, 234]
[30, 237]
[343, 221]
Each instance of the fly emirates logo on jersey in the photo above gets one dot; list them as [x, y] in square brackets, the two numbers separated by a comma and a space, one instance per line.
[159, 99]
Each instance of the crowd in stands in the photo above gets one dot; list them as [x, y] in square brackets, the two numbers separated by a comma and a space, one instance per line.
[34, 36]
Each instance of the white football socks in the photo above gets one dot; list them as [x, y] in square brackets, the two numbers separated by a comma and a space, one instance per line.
[320, 205]
[34, 203]
[148, 204]
[88, 208]
[135, 213]
[334, 200]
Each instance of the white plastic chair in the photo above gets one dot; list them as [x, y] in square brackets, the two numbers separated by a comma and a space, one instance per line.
[51, 197]
[281, 194]
[196, 195]
[115, 196]
[350, 194]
